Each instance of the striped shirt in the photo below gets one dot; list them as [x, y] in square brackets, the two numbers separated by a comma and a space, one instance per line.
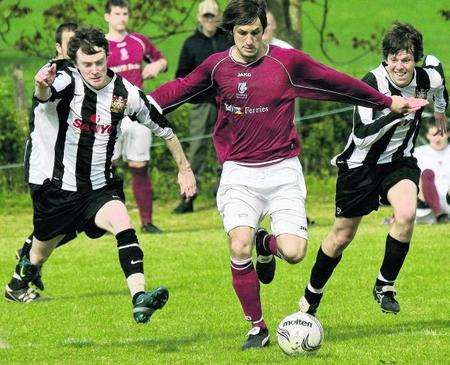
[74, 132]
[381, 136]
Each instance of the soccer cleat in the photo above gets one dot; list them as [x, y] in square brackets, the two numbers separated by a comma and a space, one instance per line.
[185, 206]
[307, 307]
[257, 338]
[265, 263]
[148, 302]
[25, 264]
[442, 219]
[385, 296]
[25, 295]
[150, 228]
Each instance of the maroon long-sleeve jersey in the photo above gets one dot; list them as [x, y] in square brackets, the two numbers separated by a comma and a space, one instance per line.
[256, 100]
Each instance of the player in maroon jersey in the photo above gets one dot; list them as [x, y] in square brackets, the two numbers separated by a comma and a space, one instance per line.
[255, 86]
[127, 52]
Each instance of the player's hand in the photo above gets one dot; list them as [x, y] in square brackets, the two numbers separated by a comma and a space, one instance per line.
[186, 180]
[403, 105]
[151, 70]
[441, 123]
[45, 77]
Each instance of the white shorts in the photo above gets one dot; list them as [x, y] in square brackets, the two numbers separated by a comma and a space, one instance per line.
[134, 142]
[246, 194]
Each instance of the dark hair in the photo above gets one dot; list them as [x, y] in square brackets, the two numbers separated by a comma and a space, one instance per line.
[120, 3]
[243, 12]
[403, 36]
[87, 39]
[64, 27]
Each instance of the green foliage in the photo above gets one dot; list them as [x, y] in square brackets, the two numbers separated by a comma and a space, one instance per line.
[12, 136]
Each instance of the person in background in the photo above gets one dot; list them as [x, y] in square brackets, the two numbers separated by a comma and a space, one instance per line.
[207, 40]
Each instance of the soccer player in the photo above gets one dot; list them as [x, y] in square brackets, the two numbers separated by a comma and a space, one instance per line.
[433, 159]
[378, 165]
[63, 34]
[127, 53]
[255, 86]
[75, 188]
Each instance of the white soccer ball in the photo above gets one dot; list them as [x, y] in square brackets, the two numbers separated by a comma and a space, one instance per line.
[299, 333]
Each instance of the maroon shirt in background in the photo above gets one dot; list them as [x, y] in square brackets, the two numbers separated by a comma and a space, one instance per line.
[126, 57]
[256, 100]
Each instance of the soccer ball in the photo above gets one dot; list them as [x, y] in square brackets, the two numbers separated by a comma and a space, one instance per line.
[299, 333]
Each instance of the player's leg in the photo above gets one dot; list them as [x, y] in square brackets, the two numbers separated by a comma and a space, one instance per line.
[286, 208]
[113, 217]
[429, 194]
[403, 198]
[136, 150]
[241, 211]
[28, 270]
[328, 257]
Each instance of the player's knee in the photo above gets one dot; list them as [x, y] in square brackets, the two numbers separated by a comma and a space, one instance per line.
[405, 216]
[295, 254]
[343, 237]
[241, 246]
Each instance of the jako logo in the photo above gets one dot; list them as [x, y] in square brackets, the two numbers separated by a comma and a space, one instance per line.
[93, 127]
[244, 74]
[299, 322]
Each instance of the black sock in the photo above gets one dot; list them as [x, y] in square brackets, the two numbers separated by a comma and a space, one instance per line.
[323, 269]
[394, 256]
[130, 254]
[26, 248]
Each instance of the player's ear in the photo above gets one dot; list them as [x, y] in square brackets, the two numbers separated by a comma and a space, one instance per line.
[106, 16]
[58, 48]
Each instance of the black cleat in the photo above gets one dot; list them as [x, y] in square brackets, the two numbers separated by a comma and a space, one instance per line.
[257, 338]
[265, 261]
[185, 206]
[442, 219]
[148, 302]
[150, 228]
[25, 295]
[385, 296]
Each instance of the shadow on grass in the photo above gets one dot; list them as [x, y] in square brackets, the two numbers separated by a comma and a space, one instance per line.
[349, 332]
[111, 293]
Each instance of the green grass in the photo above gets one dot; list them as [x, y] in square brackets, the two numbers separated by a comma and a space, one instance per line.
[87, 319]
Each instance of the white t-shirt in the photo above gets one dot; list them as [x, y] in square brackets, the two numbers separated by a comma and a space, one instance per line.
[438, 162]
[280, 43]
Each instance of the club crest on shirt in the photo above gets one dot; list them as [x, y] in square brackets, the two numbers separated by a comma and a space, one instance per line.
[421, 93]
[242, 89]
[118, 104]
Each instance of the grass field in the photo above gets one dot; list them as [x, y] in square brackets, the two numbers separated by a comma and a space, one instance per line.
[87, 319]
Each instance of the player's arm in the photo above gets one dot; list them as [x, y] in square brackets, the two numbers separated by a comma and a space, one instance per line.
[198, 84]
[141, 110]
[440, 95]
[314, 80]
[157, 62]
[50, 84]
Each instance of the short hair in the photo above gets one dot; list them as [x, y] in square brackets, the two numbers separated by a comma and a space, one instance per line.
[87, 39]
[403, 36]
[244, 12]
[120, 3]
[64, 27]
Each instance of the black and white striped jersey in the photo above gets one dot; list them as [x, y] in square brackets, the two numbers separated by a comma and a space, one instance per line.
[381, 136]
[74, 132]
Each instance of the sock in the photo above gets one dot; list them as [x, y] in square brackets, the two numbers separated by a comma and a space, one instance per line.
[246, 286]
[430, 192]
[23, 274]
[320, 273]
[271, 246]
[131, 260]
[394, 256]
[143, 193]
[25, 251]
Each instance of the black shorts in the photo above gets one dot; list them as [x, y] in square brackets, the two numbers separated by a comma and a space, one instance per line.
[359, 191]
[57, 211]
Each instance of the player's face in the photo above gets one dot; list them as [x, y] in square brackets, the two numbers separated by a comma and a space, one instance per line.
[437, 141]
[270, 29]
[248, 40]
[93, 67]
[117, 18]
[61, 49]
[400, 67]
